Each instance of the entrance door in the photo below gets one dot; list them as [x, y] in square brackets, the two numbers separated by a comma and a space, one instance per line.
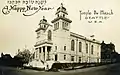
[56, 57]
[48, 52]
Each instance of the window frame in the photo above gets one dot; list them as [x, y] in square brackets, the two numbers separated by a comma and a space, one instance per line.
[65, 48]
[49, 35]
[80, 46]
[92, 49]
[56, 48]
[64, 57]
[80, 59]
[72, 58]
[86, 47]
[72, 45]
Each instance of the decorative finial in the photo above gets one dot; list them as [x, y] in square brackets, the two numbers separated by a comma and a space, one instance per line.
[43, 17]
[61, 4]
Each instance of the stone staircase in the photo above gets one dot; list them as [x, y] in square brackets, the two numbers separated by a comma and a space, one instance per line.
[41, 64]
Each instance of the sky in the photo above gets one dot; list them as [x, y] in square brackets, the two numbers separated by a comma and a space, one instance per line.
[18, 31]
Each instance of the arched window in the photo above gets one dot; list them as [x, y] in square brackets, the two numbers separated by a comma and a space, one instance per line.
[80, 47]
[54, 26]
[86, 48]
[49, 35]
[58, 15]
[39, 49]
[44, 26]
[67, 24]
[64, 48]
[72, 45]
[92, 49]
[58, 25]
[63, 15]
[63, 24]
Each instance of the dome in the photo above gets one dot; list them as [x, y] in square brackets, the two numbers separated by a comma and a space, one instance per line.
[43, 20]
[43, 25]
[62, 9]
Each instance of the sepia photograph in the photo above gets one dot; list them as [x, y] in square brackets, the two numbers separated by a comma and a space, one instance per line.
[59, 37]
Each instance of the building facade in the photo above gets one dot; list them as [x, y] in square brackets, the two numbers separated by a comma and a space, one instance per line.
[108, 53]
[56, 42]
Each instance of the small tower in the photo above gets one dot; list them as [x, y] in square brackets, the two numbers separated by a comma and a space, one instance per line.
[61, 21]
[41, 30]
[43, 24]
[61, 31]
[44, 40]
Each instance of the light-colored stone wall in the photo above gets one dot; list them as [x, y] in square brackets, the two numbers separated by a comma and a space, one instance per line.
[85, 57]
[62, 37]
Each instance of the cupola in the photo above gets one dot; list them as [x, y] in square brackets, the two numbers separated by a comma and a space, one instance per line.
[43, 25]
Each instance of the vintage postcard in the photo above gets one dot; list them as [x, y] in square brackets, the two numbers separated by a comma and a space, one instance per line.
[59, 36]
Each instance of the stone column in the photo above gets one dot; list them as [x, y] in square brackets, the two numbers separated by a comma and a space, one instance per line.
[46, 53]
[35, 54]
[38, 53]
[41, 53]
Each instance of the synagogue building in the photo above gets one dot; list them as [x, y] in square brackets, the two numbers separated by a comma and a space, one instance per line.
[57, 43]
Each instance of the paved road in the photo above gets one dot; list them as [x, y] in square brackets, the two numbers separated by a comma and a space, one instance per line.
[102, 70]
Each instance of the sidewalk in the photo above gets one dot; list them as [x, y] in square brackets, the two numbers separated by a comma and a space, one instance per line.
[85, 71]
[90, 68]
[76, 70]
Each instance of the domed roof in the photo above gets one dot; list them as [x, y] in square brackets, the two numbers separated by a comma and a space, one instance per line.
[61, 9]
[43, 20]
[43, 24]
